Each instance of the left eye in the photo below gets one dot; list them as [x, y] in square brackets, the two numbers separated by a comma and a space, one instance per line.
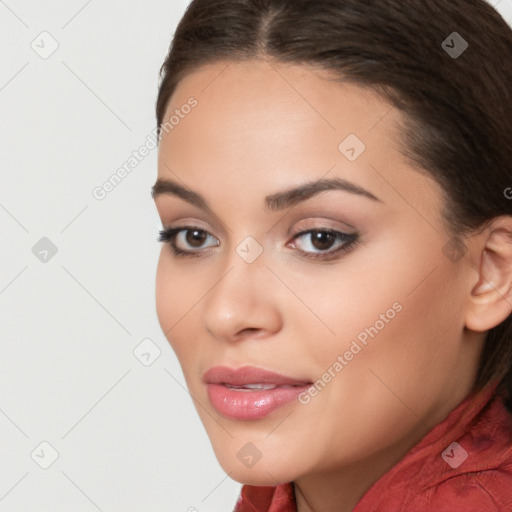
[320, 241]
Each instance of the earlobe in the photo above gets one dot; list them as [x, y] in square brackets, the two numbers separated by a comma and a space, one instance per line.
[490, 301]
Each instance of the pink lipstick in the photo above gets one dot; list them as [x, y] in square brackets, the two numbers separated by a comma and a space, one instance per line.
[250, 393]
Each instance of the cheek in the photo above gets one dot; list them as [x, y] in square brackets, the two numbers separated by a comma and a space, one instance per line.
[164, 299]
[356, 301]
[403, 320]
[414, 354]
[174, 295]
[401, 371]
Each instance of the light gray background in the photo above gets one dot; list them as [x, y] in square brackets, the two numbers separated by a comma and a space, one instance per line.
[127, 435]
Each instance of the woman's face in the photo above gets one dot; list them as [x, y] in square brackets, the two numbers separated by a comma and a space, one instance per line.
[347, 290]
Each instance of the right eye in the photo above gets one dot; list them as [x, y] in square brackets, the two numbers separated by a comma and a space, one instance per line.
[186, 236]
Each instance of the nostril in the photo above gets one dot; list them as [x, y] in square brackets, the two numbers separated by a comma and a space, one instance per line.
[249, 331]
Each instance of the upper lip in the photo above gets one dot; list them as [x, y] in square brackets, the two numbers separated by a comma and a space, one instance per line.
[249, 375]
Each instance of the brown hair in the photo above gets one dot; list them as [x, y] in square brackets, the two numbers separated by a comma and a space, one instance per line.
[457, 108]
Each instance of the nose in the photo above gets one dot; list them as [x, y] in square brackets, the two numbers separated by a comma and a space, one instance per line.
[243, 303]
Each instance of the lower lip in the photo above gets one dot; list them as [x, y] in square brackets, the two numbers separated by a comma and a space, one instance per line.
[251, 405]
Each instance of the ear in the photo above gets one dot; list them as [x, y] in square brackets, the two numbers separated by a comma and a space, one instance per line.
[490, 302]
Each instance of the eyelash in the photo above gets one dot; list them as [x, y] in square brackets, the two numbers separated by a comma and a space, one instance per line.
[350, 239]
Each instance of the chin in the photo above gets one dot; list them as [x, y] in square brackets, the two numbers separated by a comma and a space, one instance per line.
[259, 477]
[264, 471]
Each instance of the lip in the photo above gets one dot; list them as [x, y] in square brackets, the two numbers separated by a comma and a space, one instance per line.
[249, 375]
[250, 404]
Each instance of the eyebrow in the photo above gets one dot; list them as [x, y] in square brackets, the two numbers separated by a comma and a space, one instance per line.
[273, 202]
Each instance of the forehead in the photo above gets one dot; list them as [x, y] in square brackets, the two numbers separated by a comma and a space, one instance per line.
[284, 123]
[249, 93]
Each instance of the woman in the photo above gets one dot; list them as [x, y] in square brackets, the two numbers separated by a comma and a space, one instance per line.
[334, 184]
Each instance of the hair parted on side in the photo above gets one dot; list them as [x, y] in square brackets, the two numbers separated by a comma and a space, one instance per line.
[457, 111]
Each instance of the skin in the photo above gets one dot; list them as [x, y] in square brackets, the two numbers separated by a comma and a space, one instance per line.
[260, 128]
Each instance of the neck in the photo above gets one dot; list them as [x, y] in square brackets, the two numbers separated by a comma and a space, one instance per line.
[340, 489]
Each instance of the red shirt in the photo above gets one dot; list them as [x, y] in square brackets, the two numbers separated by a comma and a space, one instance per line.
[463, 464]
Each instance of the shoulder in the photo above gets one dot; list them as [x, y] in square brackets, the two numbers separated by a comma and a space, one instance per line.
[280, 498]
[483, 491]
[483, 481]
